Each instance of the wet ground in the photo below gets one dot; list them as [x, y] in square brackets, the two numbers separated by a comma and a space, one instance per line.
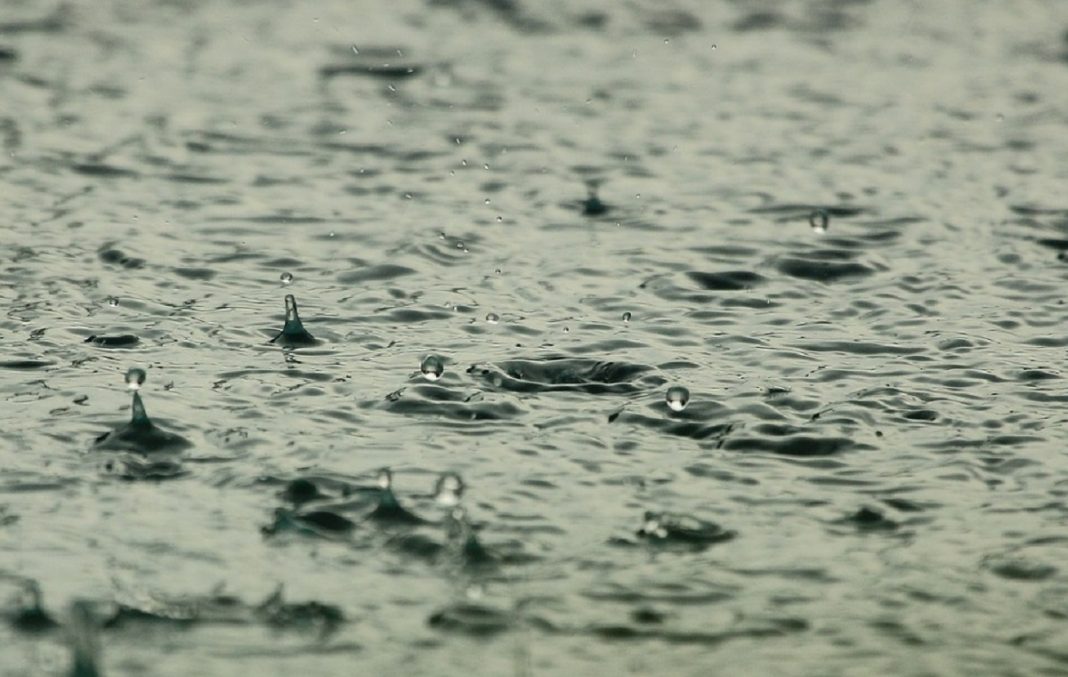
[840, 226]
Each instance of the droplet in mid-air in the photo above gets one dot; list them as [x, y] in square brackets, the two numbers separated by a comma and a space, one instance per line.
[819, 220]
[432, 367]
[677, 398]
[449, 490]
[135, 378]
[626, 316]
[493, 318]
[384, 479]
[293, 332]
[287, 278]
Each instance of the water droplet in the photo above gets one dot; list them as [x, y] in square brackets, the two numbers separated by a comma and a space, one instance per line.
[135, 378]
[667, 41]
[713, 46]
[432, 367]
[626, 316]
[485, 166]
[460, 244]
[497, 271]
[384, 480]
[487, 200]
[112, 301]
[500, 219]
[449, 490]
[355, 51]
[286, 278]
[493, 318]
[819, 220]
[677, 398]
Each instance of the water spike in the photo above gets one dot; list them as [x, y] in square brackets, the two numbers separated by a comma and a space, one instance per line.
[389, 509]
[85, 645]
[293, 332]
[139, 417]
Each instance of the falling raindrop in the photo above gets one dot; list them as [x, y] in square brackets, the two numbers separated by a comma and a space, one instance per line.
[135, 378]
[677, 398]
[819, 220]
[626, 316]
[432, 367]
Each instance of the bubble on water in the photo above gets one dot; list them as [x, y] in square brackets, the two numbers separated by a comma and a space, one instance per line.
[286, 278]
[819, 220]
[449, 490]
[493, 318]
[432, 367]
[460, 244]
[135, 378]
[112, 301]
[677, 398]
[384, 479]
[626, 316]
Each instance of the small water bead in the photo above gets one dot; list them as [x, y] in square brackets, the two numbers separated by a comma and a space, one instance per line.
[112, 301]
[384, 479]
[819, 220]
[493, 318]
[626, 316]
[432, 367]
[449, 490]
[677, 398]
[135, 378]
[286, 278]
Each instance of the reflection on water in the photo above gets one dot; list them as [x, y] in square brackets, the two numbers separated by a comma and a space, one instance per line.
[742, 326]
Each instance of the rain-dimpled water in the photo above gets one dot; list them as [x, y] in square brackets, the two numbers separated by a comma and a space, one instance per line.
[504, 337]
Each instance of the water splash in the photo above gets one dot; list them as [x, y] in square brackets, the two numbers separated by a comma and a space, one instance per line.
[293, 332]
[140, 434]
[389, 509]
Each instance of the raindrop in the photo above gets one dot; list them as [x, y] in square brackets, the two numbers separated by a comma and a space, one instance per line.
[286, 278]
[819, 220]
[500, 219]
[677, 398]
[626, 316]
[135, 378]
[487, 200]
[497, 271]
[449, 490]
[493, 318]
[355, 51]
[432, 367]
[112, 301]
